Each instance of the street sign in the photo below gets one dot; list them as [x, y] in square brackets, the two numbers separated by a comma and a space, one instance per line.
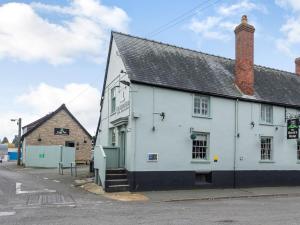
[293, 129]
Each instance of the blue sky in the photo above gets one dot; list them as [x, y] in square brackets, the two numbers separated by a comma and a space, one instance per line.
[54, 51]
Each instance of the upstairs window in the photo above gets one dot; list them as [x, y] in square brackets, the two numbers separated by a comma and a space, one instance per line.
[201, 105]
[113, 100]
[266, 114]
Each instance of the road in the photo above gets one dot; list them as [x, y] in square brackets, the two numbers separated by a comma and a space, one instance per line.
[42, 198]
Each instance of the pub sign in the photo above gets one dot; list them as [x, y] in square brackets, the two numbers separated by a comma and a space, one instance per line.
[61, 131]
[293, 129]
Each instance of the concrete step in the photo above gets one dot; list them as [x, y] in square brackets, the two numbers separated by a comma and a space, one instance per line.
[116, 182]
[116, 176]
[117, 188]
[116, 171]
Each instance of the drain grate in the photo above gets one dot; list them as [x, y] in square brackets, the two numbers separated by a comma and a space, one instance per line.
[226, 221]
[49, 199]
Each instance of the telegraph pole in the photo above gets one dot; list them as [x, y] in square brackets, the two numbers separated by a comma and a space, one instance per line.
[19, 141]
[19, 122]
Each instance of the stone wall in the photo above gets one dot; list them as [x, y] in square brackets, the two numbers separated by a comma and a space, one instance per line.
[62, 120]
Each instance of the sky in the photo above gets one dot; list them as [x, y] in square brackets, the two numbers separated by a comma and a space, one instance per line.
[54, 52]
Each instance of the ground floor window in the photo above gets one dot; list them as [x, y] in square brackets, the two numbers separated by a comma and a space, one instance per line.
[112, 136]
[298, 150]
[266, 148]
[200, 146]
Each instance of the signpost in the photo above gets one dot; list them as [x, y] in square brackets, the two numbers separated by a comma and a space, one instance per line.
[293, 129]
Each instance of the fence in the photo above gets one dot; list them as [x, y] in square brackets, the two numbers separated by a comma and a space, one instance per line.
[49, 156]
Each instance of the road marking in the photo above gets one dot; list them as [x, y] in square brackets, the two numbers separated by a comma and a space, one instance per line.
[19, 191]
[7, 213]
[57, 181]
[45, 178]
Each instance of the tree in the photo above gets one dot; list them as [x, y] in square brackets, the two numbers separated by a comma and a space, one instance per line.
[16, 141]
[5, 141]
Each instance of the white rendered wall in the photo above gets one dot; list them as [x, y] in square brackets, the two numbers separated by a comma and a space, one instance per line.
[171, 138]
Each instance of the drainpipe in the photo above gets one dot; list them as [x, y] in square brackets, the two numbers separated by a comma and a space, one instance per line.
[236, 134]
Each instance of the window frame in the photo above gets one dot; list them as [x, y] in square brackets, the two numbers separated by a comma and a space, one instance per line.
[113, 100]
[271, 154]
[200, 114]
[112, 137]
[298, 150]
[207, 153]
[264, 114]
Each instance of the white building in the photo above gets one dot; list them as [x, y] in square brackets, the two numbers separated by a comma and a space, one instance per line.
[177, 118]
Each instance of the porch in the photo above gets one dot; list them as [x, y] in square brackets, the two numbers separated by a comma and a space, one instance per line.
[110, 170]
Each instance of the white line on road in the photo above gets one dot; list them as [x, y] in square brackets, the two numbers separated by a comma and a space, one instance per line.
[56, 181]
[45, 178]
[7, 213]
[19, 191]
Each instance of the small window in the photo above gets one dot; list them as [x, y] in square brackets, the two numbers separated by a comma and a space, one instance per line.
[200, 147]
[201, 105]
[266, 115]
[70, 144]
[113, 100]
[298, 150]
[112, 136]
[266, 148]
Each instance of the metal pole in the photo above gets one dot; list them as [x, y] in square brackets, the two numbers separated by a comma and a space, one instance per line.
[19, 141]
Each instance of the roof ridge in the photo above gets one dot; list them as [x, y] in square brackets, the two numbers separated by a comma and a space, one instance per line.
[192, 50]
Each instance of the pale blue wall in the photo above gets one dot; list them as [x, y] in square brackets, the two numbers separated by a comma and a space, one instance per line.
[171, 139]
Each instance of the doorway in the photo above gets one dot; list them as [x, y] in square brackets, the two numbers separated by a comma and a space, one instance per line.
[122, 144]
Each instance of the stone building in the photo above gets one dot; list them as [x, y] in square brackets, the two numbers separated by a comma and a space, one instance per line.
[59, 128]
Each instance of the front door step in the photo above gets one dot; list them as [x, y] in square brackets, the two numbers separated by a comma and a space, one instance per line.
[116, 180]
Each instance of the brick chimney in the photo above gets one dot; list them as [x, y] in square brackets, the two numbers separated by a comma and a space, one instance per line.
[297, 65]
[244, 55]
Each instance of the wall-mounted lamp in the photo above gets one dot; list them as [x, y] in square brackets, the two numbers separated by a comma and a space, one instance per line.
[39, 138]
[276, 128]
[77, 143]
[252, 124]
[162, 115]
[84, 141]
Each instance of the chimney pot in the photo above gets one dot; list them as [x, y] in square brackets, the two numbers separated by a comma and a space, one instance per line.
[244, 56]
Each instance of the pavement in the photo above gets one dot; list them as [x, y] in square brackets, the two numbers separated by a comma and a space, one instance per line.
[43, 197]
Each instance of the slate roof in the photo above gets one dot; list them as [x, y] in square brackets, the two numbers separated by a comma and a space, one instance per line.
[34, 125]
[168, 66]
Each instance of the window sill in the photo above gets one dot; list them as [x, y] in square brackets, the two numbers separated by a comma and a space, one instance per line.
[267, 124]
[200, 161]
[204, 117]
[266, 161]
[111, 114]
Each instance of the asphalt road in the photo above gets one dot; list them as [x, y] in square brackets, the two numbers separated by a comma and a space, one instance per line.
[46, 198]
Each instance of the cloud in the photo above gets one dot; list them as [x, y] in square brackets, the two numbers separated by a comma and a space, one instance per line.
[290, 40]
[293, 4]
[81, 99]
[221, 25]
[81, 31]
[240, 7]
